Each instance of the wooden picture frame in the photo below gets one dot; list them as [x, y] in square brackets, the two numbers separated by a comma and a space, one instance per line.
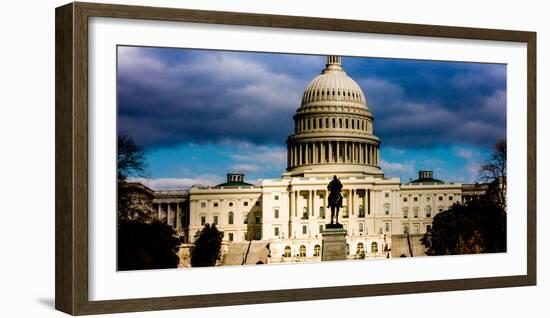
[71, 89]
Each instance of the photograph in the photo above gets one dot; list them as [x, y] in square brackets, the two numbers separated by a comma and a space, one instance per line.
[231, 158]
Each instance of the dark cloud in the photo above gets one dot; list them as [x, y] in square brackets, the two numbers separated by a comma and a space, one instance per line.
[206, 96]
[428, 103]
[171, 96]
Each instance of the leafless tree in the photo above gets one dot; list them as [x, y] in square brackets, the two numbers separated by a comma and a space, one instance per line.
[493, 172]
[130, 162]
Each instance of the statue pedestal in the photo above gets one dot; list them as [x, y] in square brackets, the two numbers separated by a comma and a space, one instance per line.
[334, 244]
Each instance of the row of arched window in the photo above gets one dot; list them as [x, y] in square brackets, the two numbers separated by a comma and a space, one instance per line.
[313, 95]
[304, 124]
[302, 251]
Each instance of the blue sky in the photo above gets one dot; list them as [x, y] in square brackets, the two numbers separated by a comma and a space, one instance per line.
[202, 113]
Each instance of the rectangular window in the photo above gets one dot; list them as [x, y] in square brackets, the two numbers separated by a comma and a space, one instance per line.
[245, 218]
[215, 220]
[428, 228]
[415, 199]
[216, 204]
[257, 203]
[387, 210]
[415, 213]
[450, 198]
[361, 211]
[321, 228]
[440, 198]
[416, 229]
[387, 195]
[276, 197]
[361, 227]
[404, 199]
[203, 220]
[304, 229]
[387, 227]
[258, 235]
[276, 213]
[203, 204]
[246, 236]
[230, 237]
[405, 229]
[257, 218]
[276, 231]
[245, 203]
[405, 213]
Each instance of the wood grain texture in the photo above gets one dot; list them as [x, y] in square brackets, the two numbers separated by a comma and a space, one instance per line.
[72, 157]
[64, 236]
[532, 158]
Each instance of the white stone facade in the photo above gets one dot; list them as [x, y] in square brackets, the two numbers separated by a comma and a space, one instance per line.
[333, 136]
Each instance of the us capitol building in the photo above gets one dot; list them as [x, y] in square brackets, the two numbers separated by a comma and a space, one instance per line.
[282, 219]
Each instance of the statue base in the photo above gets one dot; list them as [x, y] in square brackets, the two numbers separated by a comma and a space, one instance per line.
[334, 243]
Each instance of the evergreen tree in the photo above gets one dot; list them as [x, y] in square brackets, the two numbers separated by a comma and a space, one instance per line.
[207, 248]
[478, 226]
[146, 246]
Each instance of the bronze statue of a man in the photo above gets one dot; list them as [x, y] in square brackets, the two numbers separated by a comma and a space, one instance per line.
[334, 199]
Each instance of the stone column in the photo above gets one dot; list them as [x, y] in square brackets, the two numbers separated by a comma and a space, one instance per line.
[330, 151]
[325, 203]
[169, 213]
[308, 203]
[288, 156]
[158, 212]
[308, 157]
[368, 202]
[296, 203]
[290, 210]
[312, 212]
[365, 202]
[337, 151]
[352, 201]
[371, 155]
[348, 151]
[178, 216]
[322, 145]
[300, 156]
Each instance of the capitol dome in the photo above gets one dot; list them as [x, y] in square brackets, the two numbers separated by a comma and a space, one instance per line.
[333, 84]
[333, 128]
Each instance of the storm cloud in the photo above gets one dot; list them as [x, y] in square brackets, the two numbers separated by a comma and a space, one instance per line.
[168, 97]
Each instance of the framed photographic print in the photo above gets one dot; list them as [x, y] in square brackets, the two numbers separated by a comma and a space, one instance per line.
[287, 158]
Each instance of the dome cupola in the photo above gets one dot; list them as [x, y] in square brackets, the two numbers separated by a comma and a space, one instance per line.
[333, 84]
